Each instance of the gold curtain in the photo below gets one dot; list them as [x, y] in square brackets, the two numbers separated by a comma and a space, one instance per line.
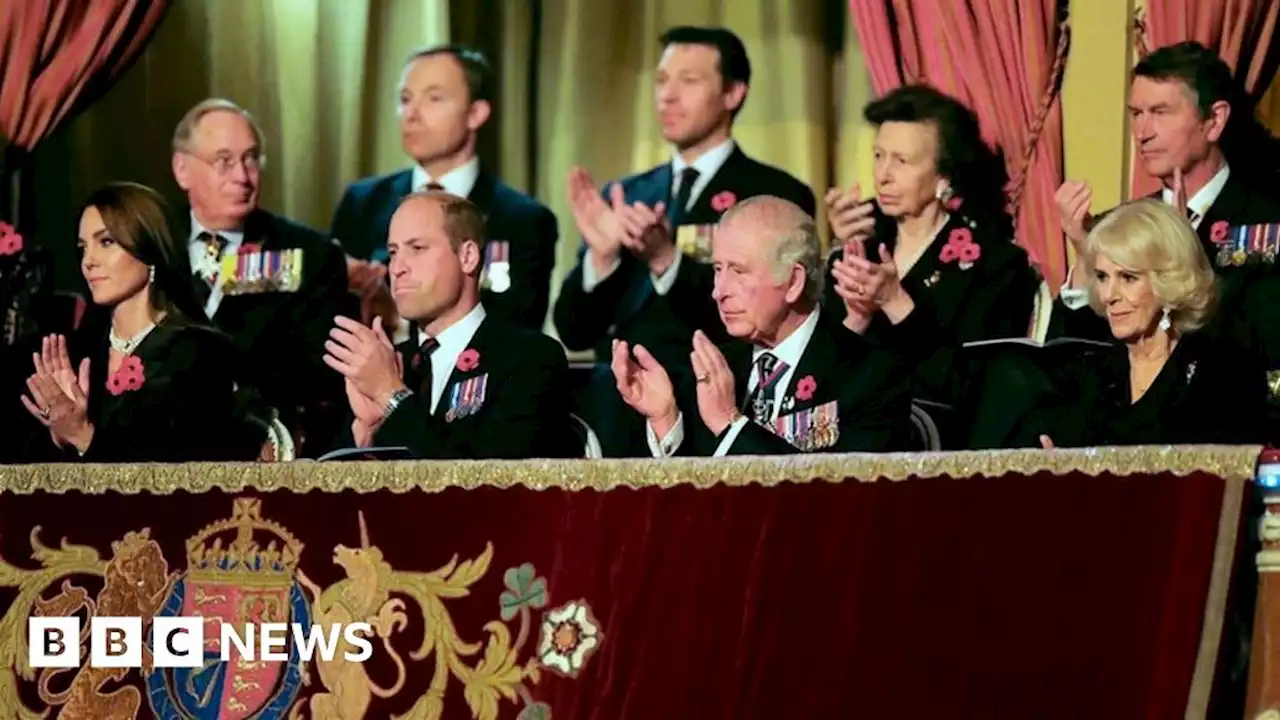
[575, 87]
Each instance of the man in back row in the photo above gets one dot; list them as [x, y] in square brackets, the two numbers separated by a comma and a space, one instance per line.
[446, 96]
[642, 274]
[246, 261]
[1180, 107]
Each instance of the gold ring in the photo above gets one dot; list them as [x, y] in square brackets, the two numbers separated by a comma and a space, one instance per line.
[703, 378]
[44, 413]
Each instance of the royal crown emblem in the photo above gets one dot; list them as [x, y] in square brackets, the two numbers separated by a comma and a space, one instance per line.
[243, 557]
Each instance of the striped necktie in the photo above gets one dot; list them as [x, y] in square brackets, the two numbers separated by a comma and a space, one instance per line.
[769, 369]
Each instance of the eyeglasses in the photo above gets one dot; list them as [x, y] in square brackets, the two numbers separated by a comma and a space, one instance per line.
[224, 163]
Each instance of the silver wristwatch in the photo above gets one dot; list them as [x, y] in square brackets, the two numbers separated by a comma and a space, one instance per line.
[397, 397]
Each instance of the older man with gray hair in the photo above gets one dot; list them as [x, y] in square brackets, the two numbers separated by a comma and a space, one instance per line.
[787, 382]
[273, 285]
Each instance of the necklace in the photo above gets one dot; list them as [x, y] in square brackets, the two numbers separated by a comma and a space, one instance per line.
[126, 346]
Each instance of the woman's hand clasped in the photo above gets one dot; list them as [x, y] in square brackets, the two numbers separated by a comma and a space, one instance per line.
[59, 394]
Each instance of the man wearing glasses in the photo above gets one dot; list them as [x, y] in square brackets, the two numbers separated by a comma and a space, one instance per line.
[272, 284]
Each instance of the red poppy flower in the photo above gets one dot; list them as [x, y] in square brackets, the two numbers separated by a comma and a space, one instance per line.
[10, 240]
[128, 378]
[723, 201]
[806, 387]
[1218, 232]
[960, 246]
[469, 360]
[249, 248]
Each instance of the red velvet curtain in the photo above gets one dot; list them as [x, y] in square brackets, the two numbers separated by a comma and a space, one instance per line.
[1038, 596]
[1243, 32]
[1004, 60]
[59, 55]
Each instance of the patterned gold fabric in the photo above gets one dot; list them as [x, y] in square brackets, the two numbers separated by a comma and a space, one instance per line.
[1229, 462]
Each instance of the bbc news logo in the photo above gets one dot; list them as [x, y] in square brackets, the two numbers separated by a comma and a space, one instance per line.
[179, 642]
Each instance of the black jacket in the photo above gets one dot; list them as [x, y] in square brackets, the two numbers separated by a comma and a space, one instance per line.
[518, 222]
[866, 388]
[520, 392]
[625, 306]
[955, 303]
[184, 410]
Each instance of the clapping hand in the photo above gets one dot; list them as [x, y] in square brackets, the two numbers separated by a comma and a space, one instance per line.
[644, 385]
[1074, 200]
[852, 218]
[858, 305]
[367, 359]
[59, 395]
[716, 399]
[594, 217]
[646, 233]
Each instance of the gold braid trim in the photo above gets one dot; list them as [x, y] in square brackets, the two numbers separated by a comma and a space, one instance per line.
[1234, 463]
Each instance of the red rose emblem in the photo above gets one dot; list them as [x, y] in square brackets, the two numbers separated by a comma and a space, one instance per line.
[10, 240]
[1218, 232]
[723, 201]
[806, 387]
[469, 360]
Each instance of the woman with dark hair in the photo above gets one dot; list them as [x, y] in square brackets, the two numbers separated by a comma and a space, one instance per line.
[930, 260]
[158, 385]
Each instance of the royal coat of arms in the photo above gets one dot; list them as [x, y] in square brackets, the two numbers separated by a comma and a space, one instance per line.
[244, 571]
[244, 584]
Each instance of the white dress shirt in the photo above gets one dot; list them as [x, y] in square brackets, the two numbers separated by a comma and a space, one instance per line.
[200, 259]
[707, 164]
[459, 181]
[1198, 204]
[789, 351]
[453, 340]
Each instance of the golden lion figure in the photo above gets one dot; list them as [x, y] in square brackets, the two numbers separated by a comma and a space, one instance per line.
[137, 582]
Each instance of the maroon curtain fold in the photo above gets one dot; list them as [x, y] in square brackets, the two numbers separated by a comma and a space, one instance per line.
[60, 55]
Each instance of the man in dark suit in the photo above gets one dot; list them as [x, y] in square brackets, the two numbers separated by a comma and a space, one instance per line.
[1180, 102]
[466, 384]
[787, 383]
[272, 284]
[641, 274]
[445, 98]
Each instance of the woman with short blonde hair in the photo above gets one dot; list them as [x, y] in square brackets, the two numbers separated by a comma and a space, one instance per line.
[1148, 236]
[1171, 376]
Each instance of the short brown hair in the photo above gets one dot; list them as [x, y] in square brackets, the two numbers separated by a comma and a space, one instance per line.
[187, 125]
[475, 67]
[463, 219]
